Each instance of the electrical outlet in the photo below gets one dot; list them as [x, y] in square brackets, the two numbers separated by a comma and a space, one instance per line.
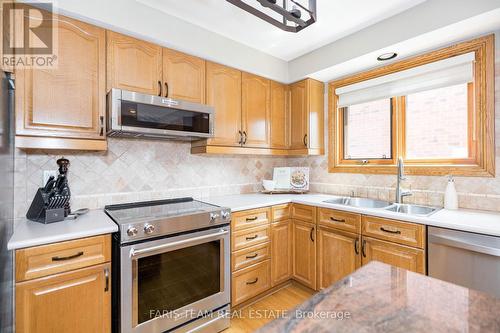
[47, 174]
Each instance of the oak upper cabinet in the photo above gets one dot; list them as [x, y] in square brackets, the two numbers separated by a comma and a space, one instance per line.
[281, 251]
[64, 107]
[397, 255]
[338, 255]
[76, 301]
[224, 93]
[183, 76]
[280, 116]
[133, 64]
[307, 116]
[304, 253]
[255, 111]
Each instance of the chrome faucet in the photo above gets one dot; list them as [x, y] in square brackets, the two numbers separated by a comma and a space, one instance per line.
[400, 193]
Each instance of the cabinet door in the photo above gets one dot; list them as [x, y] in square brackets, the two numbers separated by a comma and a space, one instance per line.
[256, 110]
[224, 93]
[393, 254]
[133, 64]
[69, 100]
[280, 117]
[315, 114]
[281, 252]
[304, 253]
[77, 301]
[298, 114]
[338, 255]
[183, 76]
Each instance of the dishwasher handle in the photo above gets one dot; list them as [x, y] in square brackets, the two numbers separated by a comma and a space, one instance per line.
[464, 244]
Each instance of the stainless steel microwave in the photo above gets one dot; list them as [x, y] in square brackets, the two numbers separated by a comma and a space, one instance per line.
[134, 114]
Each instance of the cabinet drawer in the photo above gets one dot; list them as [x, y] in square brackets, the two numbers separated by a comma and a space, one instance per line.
[39, 261]
[251, 218]
[304, 213]
[250, 282]
[250, 255]
[340, 220]
[281, 212]
[244, 238]
[394, 231]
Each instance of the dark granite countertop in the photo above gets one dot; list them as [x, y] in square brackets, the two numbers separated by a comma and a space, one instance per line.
[383, 298]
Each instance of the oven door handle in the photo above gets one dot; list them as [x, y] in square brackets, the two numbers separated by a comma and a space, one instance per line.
[135, 253]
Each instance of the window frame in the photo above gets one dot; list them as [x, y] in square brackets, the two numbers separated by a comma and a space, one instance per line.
[481, 161]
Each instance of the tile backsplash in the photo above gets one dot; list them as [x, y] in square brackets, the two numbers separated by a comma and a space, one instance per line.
[133, 170]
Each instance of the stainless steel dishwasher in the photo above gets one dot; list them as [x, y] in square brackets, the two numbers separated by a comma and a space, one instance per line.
[464, 258]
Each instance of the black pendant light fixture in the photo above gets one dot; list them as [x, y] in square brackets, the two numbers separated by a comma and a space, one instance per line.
[295, 16]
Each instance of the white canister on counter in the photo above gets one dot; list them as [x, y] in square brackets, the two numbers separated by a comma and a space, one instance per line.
[450, 195]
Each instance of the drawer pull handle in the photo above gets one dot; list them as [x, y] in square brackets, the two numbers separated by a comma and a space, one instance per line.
[253, 282]
[363, 245]
[337, 220]
[252, 238]
[79, 254]
[397, 232]
[250, 219]
[253, 256]
[356, 243]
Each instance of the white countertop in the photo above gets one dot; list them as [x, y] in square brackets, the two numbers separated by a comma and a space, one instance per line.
[482, 222]
[28, 233]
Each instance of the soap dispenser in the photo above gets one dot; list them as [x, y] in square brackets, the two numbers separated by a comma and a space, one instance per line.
[450, 195]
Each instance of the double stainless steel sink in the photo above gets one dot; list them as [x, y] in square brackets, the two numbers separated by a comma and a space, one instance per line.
[385, 205]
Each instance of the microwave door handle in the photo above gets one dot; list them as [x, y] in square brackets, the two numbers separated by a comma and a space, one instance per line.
[135, 253]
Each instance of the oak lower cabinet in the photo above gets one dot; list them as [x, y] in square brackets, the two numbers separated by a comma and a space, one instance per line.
[338, 255]
[304, 253]
[64, 287]
[281, 251]
[406, 257]
[76, 301]
[64, 107]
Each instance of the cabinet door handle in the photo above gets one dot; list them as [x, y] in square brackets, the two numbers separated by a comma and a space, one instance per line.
[253, 256]
[311, 234]
[252, 238]
[101, 124]
[166, 89]
[245, 139]
[241, 137]
[253, 282]
[305, 140]
[337, 220]
[356, 243]
[250, 219]
[106, 276]
[79, 254]
[397, 232]
[363, 245]
[159, 88]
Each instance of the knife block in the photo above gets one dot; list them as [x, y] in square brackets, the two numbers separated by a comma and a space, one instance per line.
[39, 210]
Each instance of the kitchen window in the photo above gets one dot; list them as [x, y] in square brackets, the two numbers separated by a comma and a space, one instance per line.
[435, 111]
[367, 132]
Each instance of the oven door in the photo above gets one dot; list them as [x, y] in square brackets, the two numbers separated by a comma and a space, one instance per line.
[171, 281]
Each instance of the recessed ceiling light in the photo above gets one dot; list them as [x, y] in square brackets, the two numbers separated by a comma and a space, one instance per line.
[387, 56]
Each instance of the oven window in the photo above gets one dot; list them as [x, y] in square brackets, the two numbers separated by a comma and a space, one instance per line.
[164, 118]
[171, 280]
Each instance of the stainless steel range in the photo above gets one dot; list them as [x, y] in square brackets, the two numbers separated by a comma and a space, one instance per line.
[170, 266]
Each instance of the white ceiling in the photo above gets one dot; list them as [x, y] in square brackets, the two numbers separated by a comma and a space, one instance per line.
[336, 19]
